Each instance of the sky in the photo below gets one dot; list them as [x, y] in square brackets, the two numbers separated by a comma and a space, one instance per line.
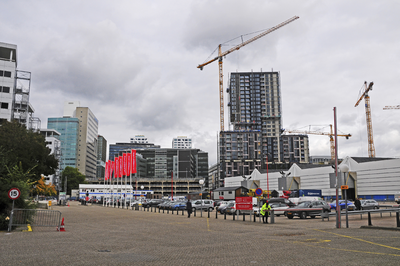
[134, 64]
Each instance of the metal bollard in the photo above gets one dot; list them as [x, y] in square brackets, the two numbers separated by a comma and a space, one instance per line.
[177, 211]
[224, 215]
[254, 218]
[208, 213]
[172, 211]
[398, 219]
[194, 213]
[369, 219]
[272, 217]
[163, 210]
[168, 211]
[234, 214]
[216, 214]
[244, 219]
[183, 212]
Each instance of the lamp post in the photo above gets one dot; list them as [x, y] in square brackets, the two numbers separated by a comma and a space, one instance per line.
[201, 182]
[266, 156]
[345, 169]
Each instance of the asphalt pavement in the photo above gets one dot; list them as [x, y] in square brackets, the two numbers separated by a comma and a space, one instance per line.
[97, 235]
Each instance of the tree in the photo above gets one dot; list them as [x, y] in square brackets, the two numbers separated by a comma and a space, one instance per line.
[74, 178]
[20, 145]
[42, 189]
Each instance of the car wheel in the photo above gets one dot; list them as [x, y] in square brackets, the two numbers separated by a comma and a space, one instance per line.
[312, 217]
[210, 209]
[278, 215]
[303, 215]
[193, 209]
[290, 216]
[376, 207]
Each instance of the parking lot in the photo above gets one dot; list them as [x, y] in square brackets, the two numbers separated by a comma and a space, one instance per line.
[97, 235]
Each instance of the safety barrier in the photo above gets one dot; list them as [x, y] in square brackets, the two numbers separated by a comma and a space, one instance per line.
[41, 218]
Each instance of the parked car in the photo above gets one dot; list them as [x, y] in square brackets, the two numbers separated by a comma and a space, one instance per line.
[369, 204]
[72, 199]
[281, 200]
[203, 205]
[222, 209]
[342, 204]
[309, 206]
[164, 205]
[179, 206]
[151, 203]
[273, 206]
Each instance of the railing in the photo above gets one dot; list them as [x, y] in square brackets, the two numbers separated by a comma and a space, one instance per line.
[42, 218]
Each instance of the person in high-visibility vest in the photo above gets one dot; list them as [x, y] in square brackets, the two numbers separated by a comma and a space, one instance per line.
[264, 211]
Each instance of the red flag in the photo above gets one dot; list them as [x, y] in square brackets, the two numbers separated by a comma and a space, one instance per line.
[111, 168]
[106, 171]
[121, 166]
[128, 164]
[116, 175]
[133, 160]
[124, 172]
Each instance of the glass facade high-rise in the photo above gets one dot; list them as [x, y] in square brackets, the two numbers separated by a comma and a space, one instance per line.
[68, 128]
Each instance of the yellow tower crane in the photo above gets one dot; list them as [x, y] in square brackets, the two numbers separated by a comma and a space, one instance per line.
[371, 147]
[331, 135]
[222, 54]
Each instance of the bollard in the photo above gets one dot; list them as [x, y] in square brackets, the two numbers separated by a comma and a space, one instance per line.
[151, 209]
[224, 215]
[163, 210]
[183, 212]
[159, 210]
[194, 213]
[172, 211]
[254, 218]
[168, 211]
[216, 214]
[272, 217]
[177, 211]
[234, 214]
[369, 219]
[208, 213]
[398, 219]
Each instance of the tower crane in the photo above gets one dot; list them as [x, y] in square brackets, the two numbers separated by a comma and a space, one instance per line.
[371, 147]
[392, 107]
[237, 47]
[331, 140]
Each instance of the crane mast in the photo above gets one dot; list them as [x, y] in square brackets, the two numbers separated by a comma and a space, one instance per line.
[237, 47]
[331, 140]
[371, 147]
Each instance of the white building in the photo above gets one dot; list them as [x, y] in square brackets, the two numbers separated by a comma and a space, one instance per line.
[181, 142]
[377, 178]
[54, 144]
[139, 139]
[8, 67]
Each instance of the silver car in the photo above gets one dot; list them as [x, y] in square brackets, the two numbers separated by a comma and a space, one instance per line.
[203, 205]
[369, 204]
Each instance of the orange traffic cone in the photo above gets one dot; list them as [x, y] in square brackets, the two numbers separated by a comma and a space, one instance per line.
[68, 203]
[61, 229]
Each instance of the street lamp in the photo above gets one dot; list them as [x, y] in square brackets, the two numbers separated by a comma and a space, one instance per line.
[172, 186]
[201, 182]
[266, 156]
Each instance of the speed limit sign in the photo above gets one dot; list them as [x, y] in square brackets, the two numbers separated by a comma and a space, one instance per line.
[14, 193]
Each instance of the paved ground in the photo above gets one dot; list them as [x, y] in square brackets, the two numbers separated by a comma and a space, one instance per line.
[96, 235]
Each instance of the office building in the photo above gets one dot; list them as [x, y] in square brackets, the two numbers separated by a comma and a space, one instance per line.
[101, 157]
[139, 139]
[115, 149]
[15, 90]
[181, 142]
[79, 131]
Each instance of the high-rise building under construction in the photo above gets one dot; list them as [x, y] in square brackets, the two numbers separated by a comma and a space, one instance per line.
[255, 110]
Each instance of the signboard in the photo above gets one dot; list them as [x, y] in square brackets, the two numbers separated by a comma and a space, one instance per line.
[14, 193]
[244, 203]
[63, 196]
[258, 192]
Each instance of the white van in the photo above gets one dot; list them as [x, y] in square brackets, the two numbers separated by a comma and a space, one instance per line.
[397, 197]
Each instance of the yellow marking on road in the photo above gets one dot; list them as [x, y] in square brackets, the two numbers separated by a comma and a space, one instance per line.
[340, 249]
[359, 239]
[208, 224]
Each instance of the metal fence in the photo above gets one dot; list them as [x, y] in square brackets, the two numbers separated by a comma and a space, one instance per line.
[42, 218]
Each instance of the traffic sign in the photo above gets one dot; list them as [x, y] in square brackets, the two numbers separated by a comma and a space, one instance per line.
[258, 192]
[14, 193]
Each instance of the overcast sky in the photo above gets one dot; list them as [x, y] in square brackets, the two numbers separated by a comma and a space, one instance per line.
[134, 64]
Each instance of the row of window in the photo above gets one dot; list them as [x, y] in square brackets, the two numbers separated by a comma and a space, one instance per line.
[4, 105]
[6, 74]
[4, 89]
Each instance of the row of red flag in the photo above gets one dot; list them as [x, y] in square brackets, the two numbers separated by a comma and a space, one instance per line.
[121, 166]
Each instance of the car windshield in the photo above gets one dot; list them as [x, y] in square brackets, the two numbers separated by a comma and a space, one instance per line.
[231, 204]
[304, 204]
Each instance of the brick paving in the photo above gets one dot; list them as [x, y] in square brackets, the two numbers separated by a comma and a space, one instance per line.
[97, 235]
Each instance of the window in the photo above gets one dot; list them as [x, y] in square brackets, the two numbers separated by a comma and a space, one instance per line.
[4, 105]
[5, 89]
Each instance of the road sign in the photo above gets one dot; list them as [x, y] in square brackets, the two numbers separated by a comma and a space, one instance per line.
[258, 192]
[244, 203]
[14, 193]
[344, 187]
